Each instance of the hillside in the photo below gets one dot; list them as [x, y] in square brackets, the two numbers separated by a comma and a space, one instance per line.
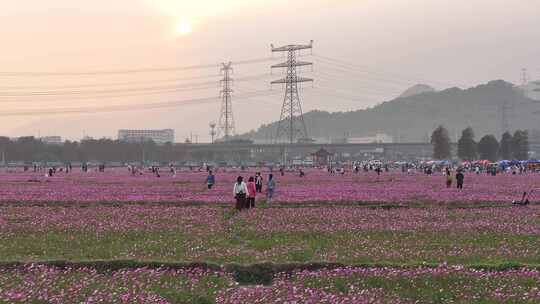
[411, 119]
[417, 90]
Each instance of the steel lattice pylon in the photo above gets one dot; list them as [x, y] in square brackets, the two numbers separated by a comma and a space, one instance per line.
[291, 124]
[226, 120]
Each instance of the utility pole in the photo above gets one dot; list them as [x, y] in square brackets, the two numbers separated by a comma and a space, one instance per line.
[291, 124]
[213, 131]
[525, 82]
[226, 120]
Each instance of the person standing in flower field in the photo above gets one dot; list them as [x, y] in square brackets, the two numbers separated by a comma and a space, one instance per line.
[460, 178]
[448, 177]
[240, 192]
[270, 187]
[252, 193]
[258, 182]
[210, 180]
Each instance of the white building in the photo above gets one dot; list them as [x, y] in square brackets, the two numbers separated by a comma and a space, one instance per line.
[380, 138]
[532, 90]
[51, 140]
[158, 136]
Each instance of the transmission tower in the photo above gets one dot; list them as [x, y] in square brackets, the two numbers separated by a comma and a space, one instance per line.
[291, 124]
[226, 120]
[525, 82]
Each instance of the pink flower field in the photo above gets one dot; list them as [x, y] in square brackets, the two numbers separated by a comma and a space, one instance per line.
[116, 185]
[41, 284]
[355, 238]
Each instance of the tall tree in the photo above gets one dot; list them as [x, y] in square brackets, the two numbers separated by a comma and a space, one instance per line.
[441, 143]
[466, 145]
[488, 148]
[505, 150]
[520, 145]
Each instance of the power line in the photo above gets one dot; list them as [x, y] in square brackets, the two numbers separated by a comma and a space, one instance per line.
[362, 74]
[366, 69]
[108, 84]
[130, 107]
[132, 71]
[82, 97]
[99, 92]
[356, 86]
[130, 92]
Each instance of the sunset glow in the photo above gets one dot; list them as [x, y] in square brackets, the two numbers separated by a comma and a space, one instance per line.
[184, 27]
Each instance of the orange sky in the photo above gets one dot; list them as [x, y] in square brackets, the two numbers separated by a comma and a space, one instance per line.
[460, 42]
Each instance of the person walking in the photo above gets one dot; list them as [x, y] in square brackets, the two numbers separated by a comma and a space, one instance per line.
[252, 193]
[210, 180]
[270, 187]
[240, 192]
[448, 177]
[460, 178]
[258, 182]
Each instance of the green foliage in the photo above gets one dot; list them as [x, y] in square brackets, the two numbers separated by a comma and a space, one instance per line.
[467, 149]
[520, 145]
[505, 150]
[441, 143]
[260, 274]
[488, 148]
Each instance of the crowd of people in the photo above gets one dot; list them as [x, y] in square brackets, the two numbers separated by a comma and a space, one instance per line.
[247, 190]
[246, 193]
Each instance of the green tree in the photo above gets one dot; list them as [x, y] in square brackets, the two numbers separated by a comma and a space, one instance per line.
[488, 148]
[441, 143]
[466, 145]
[505, 150]
[520, 145]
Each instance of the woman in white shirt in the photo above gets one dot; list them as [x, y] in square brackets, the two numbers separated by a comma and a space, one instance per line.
[240, 192]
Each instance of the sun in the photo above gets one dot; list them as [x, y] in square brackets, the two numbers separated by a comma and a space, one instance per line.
[183, 28]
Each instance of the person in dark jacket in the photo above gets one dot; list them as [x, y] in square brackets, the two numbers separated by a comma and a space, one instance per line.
[210, 180]
[460, 178]
[258, 182]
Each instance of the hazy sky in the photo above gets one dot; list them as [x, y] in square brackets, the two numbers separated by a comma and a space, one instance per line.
[385, 46]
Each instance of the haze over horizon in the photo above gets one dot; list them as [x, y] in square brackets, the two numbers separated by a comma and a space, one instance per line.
[384, 47]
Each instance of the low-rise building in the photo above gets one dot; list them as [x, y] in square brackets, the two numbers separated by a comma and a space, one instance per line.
[157, 136]
[380, 138]
[51, 140]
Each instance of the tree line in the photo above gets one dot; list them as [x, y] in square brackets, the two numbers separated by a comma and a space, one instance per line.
[510, 147]
[27, 149]
[33, 149]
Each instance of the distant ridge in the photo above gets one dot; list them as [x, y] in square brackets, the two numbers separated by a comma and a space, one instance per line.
[413, 118]
[417, 90]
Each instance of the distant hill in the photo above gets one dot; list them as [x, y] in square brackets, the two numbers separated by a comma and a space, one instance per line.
[417, 90]
[412, 118]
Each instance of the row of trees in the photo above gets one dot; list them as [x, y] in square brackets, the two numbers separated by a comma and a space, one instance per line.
[514, 146]
[108, 150]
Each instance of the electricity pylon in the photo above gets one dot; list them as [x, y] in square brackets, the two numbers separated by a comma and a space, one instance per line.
[226, 120]
[291, 124]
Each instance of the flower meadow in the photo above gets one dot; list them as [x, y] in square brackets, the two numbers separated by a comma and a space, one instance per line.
[117, 185]
[354, 238]
[349, 234]
[46, 284]
[390, 285]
